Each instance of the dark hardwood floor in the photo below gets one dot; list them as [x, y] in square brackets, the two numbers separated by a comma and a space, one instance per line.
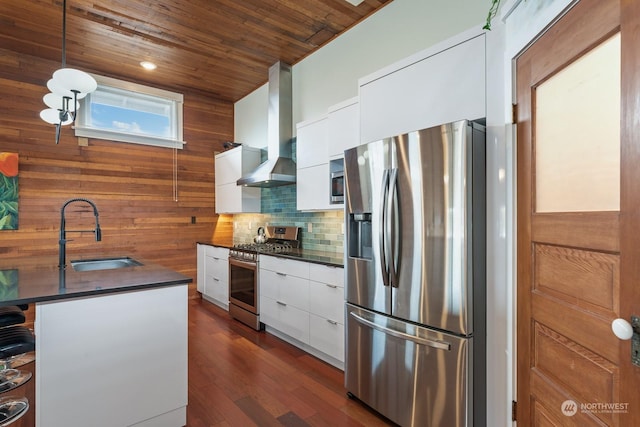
[240, 377]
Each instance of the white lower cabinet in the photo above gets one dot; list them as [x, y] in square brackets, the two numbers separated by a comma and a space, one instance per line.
[213, 274]
[284, 296]
[327, 336]
[285, 318]
[309, 311]
[326, 292]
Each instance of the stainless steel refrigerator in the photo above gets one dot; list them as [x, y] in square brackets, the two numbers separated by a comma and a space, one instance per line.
[415, 271]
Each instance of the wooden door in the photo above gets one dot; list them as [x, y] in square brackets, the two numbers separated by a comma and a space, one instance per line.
[578, 220]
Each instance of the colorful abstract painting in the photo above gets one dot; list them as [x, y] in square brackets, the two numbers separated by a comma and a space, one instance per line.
[8, 284]
[8, 191]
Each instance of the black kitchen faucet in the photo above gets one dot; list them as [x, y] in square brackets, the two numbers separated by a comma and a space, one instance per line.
[63, 233]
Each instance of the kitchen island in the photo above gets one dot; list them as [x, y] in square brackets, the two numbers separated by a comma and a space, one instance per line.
[111, 345]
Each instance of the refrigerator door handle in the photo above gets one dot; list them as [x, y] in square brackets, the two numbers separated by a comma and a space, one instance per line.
[440, 345]
[393, 227]
[383, 236]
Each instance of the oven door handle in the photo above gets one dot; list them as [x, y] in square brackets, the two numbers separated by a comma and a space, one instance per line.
[239, 263]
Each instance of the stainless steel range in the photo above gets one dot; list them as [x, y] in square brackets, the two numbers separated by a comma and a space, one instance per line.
[243, 272]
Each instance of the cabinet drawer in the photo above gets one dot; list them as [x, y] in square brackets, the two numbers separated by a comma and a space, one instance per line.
[327, 336]
[327, 274]
[290, 290]
[218, 268]
[285, 318]
[216, 252]
[285, 266]
[326, 301]
[217, 289]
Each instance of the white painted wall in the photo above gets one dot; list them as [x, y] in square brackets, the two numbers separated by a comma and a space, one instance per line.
[331, 74]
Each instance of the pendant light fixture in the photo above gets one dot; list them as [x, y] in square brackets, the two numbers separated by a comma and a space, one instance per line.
[67, 86]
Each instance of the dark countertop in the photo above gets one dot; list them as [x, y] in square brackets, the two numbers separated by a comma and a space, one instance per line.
[210, 243]
[334, 259]
[38, 279]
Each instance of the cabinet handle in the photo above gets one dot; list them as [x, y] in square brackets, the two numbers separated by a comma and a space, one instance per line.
[216, 258]
[281, 274]
[216, 279]
[331, 286]
[333, 322]
[281, 303]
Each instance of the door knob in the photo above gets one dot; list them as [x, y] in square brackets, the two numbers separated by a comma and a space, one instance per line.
[629, 331]
[622, 329]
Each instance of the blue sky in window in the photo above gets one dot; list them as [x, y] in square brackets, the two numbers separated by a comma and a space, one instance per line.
[118, 119]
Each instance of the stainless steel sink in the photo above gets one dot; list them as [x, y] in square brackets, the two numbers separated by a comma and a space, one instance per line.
[103, 264]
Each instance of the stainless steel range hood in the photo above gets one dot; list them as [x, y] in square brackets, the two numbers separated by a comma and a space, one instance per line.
[279, 169]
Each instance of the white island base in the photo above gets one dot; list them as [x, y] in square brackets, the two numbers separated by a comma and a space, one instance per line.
[113, 360]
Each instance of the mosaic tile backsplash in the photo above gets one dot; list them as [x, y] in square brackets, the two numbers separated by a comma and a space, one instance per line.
[278, 207]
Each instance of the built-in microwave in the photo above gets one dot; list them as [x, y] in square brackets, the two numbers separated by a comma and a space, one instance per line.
[337, 187]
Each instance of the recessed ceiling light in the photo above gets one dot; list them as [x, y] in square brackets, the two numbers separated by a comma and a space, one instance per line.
[148, 65]
[355, 2]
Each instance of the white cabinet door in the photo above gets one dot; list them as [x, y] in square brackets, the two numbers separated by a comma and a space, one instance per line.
[285, 280]
[284, 296]
[230, 166]
[311, 143]
[327, 301]
[343, 127]
[313, 181]
[327, 336]
[440, 88]
[285, 318]
[327, 274]
[285, 265]
[231, 198]
[213, 274]
[312, 189]
[217, 277]
[285, 289]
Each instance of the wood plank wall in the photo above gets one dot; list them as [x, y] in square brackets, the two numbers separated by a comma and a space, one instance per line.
[131, 184]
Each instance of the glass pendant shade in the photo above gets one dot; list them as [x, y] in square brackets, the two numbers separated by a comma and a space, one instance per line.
[55, 101]
[72, 79]
[66, 80]
[52, 115]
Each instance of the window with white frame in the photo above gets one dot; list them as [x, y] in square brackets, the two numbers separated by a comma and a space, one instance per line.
[129, 112]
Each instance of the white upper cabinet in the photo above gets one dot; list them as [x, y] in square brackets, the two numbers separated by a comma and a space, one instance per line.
[440, 85]
[230, 166]
[313, 180]
[343, 127]
[312, 192]
[311, 140]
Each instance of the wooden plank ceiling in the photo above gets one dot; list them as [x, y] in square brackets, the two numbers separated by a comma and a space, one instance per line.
[222, 48]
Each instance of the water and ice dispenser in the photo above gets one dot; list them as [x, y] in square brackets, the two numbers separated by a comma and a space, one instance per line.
[360, 236]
